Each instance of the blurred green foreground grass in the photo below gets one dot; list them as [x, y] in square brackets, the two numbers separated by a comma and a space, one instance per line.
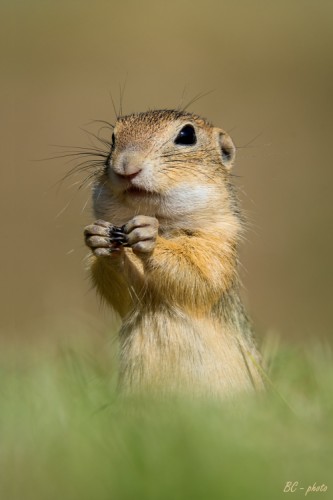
[66, 435]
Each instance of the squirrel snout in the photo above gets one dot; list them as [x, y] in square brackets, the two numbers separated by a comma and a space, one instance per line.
[128, 167]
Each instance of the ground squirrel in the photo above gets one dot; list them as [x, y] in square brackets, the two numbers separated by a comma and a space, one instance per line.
[164, 255]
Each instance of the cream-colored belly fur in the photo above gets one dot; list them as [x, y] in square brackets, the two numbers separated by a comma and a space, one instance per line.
[172, 352]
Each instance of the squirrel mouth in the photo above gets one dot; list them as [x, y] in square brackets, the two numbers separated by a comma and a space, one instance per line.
[136, 191]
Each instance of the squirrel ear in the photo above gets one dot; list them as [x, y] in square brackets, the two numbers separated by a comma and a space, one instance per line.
[227, 148]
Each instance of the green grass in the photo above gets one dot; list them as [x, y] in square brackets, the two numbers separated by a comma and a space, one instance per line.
[66, 435]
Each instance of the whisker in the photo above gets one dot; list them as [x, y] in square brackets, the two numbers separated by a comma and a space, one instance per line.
[114, 106]
[64, 208]
[196, 98]
[85, 181]
[97, 137]
[121, 97]
[75, 148]
[105, 122]
[74, 156]
[101, 189]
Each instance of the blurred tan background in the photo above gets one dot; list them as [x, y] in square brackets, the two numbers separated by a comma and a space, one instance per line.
[269, 65]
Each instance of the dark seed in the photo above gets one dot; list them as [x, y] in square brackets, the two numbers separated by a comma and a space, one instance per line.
[117, 236]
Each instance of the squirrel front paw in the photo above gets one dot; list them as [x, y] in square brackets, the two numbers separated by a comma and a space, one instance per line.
[104, 239]
[141, 233]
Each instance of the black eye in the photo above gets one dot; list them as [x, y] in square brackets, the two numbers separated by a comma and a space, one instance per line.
[113, 139]
[186, 136]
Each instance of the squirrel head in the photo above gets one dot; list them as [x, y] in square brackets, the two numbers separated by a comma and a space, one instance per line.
[166, 163]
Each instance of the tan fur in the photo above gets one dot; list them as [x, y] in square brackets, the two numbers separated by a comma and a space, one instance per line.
[184, 327]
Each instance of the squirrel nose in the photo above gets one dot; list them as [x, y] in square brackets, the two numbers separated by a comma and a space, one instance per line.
[130, 176]
[129, 168]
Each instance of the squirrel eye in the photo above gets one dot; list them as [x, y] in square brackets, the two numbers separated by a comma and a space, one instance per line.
[186, 136]
[113, 141]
